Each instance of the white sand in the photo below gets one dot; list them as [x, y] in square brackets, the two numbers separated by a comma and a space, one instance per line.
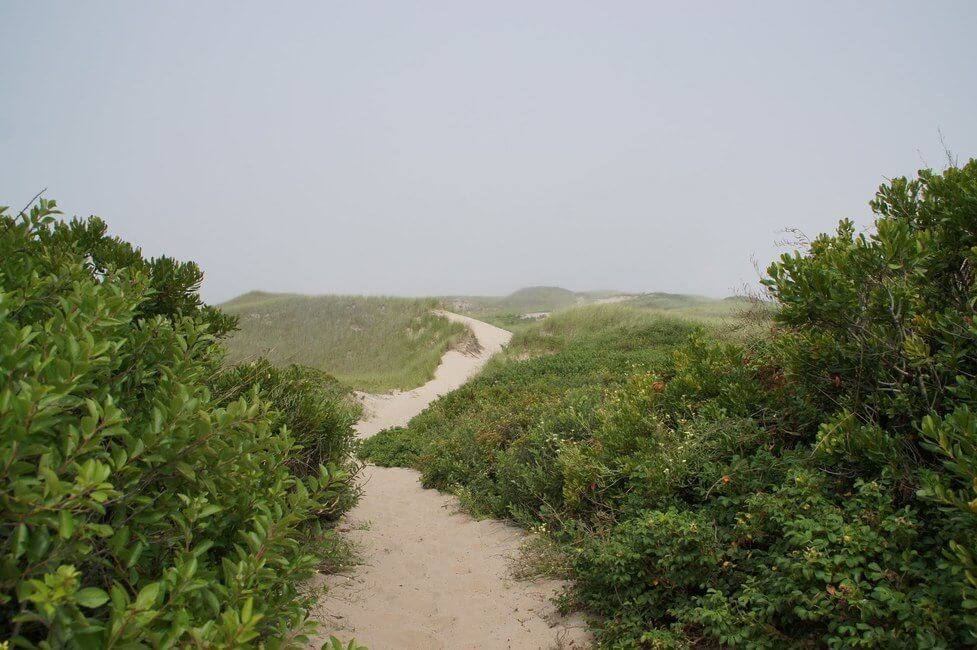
[432, 576]
[610, 300]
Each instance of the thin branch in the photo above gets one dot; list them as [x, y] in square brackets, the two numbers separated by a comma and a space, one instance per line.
[30, 203]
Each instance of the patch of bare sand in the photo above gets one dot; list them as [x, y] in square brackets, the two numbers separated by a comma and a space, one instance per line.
[433, 577]
[610, 300]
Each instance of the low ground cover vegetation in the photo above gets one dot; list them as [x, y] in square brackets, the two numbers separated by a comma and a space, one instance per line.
[372, 343]
[552, 377]
[520, 301]
[741, 315]
[812, 487]
[520, 309]
[150, 495]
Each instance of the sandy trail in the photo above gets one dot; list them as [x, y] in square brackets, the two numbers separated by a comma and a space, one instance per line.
[396, 409]
[432, 576]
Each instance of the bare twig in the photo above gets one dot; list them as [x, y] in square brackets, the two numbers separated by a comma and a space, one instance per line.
[31, 202]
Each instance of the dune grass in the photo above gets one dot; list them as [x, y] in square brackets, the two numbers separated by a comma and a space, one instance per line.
[510, 312]
[527, 299]
[539, 299]
[735, 314]
[513, 312]
[374, 344]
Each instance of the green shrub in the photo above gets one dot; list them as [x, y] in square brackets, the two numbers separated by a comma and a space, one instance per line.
[954, 440]
[499, 434]
[814, 488]
[648, 563]
[140, 509]
[317, 410]
[880, 324]
[393, 449]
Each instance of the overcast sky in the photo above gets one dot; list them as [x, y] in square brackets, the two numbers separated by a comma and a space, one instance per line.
[476, 147]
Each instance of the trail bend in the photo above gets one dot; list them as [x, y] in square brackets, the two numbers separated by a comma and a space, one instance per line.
[433, 577]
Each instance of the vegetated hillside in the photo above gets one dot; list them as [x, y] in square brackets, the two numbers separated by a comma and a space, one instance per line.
[812, 488]
[735, 311]
[150, 496]
[538, 299]
[599, 294]
[518, 310]
[372, 343]
[521, 301]
[521, 307]
[555, 371]
[680, 301]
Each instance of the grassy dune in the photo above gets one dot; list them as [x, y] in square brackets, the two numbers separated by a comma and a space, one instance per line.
[511, 311]
[372, 343]
[733, 313]
[508, 310]
[538, 299]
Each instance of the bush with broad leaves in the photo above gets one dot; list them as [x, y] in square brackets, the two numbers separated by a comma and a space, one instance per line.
[141, 503]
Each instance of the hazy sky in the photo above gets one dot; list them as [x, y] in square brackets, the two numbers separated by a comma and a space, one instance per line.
[476, 147]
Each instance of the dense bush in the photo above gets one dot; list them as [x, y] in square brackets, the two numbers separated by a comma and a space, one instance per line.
[144, 503]
[318, 411]
[813, 488]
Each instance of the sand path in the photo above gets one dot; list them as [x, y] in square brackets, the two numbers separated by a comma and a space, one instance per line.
[432, 576]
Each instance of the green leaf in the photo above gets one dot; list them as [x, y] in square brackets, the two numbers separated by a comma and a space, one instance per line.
[134, 555]
[91, 597]
[147, 595]
[186, 470]
[209, 510]
[66, 524]
[20, 541]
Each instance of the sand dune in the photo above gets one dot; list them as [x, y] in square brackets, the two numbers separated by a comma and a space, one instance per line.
[457, 367]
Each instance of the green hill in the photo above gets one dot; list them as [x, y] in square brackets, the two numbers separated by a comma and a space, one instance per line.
[525, 300]
[371, 343]
[539, 299]
[517, 309]
[520, 308]
[713, 311]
